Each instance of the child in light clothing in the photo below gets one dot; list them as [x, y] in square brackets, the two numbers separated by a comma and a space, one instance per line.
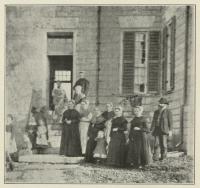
[100, 150]
[10, 143]
[41, 139]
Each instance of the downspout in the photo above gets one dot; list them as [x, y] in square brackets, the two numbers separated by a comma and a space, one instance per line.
[185, 95]
[98, 52]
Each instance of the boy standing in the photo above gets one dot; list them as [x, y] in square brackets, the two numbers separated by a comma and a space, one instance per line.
[161, 128]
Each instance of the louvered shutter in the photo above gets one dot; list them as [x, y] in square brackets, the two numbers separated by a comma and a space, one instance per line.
[164, 58]
[172, 53]
[128, 62]
[154, 61]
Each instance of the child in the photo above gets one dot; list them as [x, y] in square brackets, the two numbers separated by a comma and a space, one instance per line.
[11, 146]
[100, 149]
[41, 138]
[139, 148]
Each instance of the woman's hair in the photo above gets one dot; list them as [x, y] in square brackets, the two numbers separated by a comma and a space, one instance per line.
[139, 107]
[110, 103]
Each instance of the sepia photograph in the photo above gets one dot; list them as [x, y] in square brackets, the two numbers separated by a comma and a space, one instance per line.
[99, 94]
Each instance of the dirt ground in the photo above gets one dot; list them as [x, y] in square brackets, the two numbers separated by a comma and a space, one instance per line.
[172, 170]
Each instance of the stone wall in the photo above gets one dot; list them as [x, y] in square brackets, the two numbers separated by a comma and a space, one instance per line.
[27, 65]
[183, 114]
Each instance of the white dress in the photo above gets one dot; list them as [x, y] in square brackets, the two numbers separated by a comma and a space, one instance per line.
[10, 145]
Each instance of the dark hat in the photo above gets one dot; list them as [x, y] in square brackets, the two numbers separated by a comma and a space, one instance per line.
[163, 101]
[136, 101]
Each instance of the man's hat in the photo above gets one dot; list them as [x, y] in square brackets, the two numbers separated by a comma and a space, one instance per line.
[163, 101]
[136, 101]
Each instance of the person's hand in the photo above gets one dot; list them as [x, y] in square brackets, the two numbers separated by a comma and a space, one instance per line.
[170, 133]
[115, 129]
[68, 121]
[136, 128]
[127, 141]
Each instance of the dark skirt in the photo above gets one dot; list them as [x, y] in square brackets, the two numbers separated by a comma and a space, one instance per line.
[139, 152]
[70, 142]
[117, 150]
[91, 144]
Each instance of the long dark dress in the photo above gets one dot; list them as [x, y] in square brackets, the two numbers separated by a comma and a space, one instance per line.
[117, 147]
[139, 146]
[70, 139]
[96, 125]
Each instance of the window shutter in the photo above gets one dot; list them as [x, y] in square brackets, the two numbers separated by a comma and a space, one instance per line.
[128, 62]
[173, 41]
[164, 58]
[153, 61]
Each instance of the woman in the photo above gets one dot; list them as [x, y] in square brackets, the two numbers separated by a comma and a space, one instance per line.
[108, 115]
[70, 138]
[86, 117]
[117, 147]
[139, 148]
[10, 145]
[96, 125]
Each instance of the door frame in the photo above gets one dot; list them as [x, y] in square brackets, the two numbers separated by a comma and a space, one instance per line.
[74, 54]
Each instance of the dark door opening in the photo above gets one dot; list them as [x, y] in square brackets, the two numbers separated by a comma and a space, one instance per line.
[61, 69]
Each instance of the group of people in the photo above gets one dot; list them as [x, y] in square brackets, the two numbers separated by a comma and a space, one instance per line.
[104, 137]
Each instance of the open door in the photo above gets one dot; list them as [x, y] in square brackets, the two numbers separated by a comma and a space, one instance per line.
[61, 69]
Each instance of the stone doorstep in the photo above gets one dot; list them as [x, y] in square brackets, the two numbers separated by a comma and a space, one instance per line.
[49, 158]
[175, 154]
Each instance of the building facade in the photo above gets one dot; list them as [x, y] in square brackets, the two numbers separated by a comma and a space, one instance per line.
[124, 51]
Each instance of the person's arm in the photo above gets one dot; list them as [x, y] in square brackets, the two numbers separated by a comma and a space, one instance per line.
[145, 127]
[170, 122]
[153, 122]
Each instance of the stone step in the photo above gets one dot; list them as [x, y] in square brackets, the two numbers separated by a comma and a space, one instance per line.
[50, 150]
[47, 158]
[175, 154]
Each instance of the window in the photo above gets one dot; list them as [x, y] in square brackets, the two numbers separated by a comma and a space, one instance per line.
[141, 60]
[169, 56]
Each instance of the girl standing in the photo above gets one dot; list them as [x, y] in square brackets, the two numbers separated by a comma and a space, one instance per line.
[100, 150]
[117, 147]
[139, 148]
[108, 115]
[41, 138]
[96, 125]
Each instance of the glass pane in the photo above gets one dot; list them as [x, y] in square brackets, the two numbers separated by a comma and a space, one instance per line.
[140, 67]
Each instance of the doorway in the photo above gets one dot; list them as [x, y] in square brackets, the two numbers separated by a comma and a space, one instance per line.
[61, 69]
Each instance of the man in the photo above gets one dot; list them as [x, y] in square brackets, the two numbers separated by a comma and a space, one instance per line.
[59, 98]
[161, 128]
[83, 82]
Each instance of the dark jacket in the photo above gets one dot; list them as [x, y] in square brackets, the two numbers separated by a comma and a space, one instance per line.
[165, 123]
